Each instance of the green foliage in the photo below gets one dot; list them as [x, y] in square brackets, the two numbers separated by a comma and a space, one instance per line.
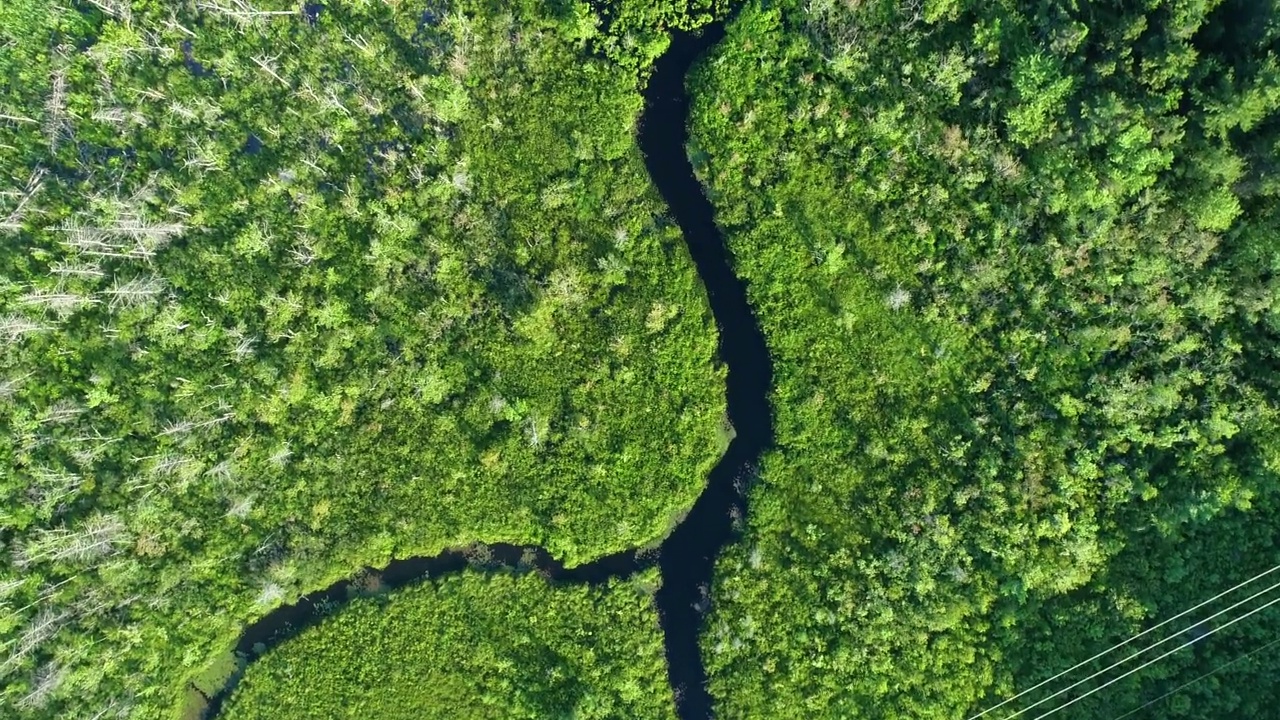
[638, 29]
[471, 646]
[1041, 93]
[286, 293]
[1018, 287]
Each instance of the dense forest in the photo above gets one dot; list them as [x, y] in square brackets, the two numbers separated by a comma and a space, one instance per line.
[288, 290]
[287, 293]
[1017, 263]
[473, 646]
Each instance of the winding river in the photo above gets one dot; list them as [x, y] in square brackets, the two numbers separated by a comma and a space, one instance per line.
[687, 557]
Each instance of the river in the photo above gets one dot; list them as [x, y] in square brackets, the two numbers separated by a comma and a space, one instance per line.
[686, 558]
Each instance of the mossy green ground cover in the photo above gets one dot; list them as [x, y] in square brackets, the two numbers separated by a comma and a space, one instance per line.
[468, 647]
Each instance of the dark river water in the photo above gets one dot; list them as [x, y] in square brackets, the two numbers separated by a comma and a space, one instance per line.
[687, 557]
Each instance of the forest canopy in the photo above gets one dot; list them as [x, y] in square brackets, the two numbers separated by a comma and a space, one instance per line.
[289, 290]
[1017, 265]
[471, 646]
[286, 291]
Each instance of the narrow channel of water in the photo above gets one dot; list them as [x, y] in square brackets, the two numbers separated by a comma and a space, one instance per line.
[686, 559]
[688, 555]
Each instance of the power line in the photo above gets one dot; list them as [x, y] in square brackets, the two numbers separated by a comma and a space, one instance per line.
[1113, 681]
[1189, 683]
[1113, 648]
[1114, 665]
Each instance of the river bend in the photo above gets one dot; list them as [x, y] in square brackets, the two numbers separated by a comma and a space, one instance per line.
[686, 559]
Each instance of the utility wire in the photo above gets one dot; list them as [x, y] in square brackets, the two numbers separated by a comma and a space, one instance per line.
[1157, 644]
[1113, 681]
[1126, 642]
[1189, 683]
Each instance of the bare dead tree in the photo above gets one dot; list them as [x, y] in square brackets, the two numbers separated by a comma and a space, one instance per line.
[311, 161]
[42, 628]
[240, 508]
[110, 115]
[16, 327]
[184, 427]
[170, 465]
[48, 678]
[11, 386]
[181, 110]
[117, 709]
[171, 319]
[128, 236]
[359, 41]
[271, 595]
[281, 456]
[61, 304]
[414, 88]
[458, 61]
[152, 235]
[87, 449]
[19, 119]
[201, 157]
[155, 44]
[222, 472]
[912, 12]
[7, 587]
[47, 591]
[135, 291]
[55, 123]
[370, 104]
[151, 94]
[240, 11]
[173, 24]
[268, 66]
[53, 486]
[243, 350]
[836, 22]
[119, 9]
[79, 270]
[333, 102]
[177, 427]
[303, 252]
[96, 538]
[306, 91]
[35, 183]
[141, 486]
